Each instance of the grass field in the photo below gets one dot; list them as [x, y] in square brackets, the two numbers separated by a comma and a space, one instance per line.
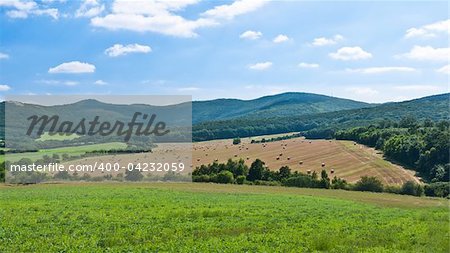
[57, 137]
[188, 217]
[75, 150]
[349, 160]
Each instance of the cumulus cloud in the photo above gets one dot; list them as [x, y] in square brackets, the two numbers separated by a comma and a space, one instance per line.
[3, 56]
[380, 70]
[281, 38]
[100, 82]
[90, 8]
[74, 67]
[260, 65]
[4, 87]
[251, 35]
[237, 8]
[350, 53]
[322, 41]
[23, 9]
[430, 30]
[444, 70]
[160, 16]
[119, 49]
[428, 53]
[308, 65]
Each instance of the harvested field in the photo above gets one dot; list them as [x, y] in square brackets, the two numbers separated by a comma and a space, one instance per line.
[346, 159]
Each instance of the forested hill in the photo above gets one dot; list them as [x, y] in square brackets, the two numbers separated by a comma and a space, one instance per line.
[281, 105]
[433, 107]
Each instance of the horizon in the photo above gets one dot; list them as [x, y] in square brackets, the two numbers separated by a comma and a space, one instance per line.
[243, 49]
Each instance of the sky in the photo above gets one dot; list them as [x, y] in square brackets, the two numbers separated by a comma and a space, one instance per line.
[368, 51]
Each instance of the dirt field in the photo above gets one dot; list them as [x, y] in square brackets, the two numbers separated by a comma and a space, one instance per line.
[347, 159]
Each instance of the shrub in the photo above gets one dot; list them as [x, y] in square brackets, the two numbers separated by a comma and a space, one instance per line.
[236, 141]
[439, 189]
[301, 181]
[411, 188]
[393, 189]
[201, 178]
[370, 184]
[240, 179]
[256, 171]
[133, 175]
[225, 177]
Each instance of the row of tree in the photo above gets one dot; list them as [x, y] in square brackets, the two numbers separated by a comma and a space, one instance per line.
[239, 173]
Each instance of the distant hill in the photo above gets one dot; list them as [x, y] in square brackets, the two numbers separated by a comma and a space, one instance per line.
[285, 104]
[432, 107]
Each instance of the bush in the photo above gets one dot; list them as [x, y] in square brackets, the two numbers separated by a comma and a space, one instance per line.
[370, 184]
[393, 189]
[301, 181]
[411, 188]
[236, 141]
[440, 189]
[133, 175]
[267, 183]
[201, 178]
[225, 177]
[240, 179]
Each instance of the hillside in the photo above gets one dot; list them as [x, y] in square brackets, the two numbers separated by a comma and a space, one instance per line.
[285, 104]
[433, 107]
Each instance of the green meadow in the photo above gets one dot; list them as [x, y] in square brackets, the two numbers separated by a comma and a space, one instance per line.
[189, 217]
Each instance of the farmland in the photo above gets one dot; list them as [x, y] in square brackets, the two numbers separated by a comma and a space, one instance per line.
[186, 217]
[347, 159]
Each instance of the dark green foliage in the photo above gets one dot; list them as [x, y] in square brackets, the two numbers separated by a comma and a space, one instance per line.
[425, 149]
[62, 175]
[439, 189]
[257, 171]
[322, 125]
[339, 183]
[371, 184]
[2, 172]
[240, 179]
[133, 175]
[225, 177]
[411, 188]
[236, 141]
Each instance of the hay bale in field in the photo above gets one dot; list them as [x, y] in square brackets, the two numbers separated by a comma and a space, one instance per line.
[235, 155]
[289, 158]
[323, 164]
[308, 171]
[248, 158]
[278, 158]
[332, 171]
[281, 154]
[198, 159]
[301, 162]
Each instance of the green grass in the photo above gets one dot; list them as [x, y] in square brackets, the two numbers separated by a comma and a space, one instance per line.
[57, 137]
[220, 218]
[75, 150]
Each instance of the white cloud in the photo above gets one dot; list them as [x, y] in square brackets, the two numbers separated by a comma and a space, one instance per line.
[430, 30]
[90, 8]
[3, 56]
[119, 49]
[100, 82]
[419, 88]
[428, 53]
[322, 41]
[70, 83]
[281, 38]
[152, 16]
[350, 53]
[23, 9]
[4, 87]
[250, 35]
[380, 70]
[444, 70]
[237, 8]
[308, 65]
[160, 16]
[362, 91]
[74, 67]
[261, 65]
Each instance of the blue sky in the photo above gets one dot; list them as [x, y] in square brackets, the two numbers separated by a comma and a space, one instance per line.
[367, 51]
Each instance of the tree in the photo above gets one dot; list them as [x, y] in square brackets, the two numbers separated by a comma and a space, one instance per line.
[371, 184]
[236, 141]
[324, 181]
[284, 172]
[411, 188]
[225, 177]
[256, 171]
[133, 175]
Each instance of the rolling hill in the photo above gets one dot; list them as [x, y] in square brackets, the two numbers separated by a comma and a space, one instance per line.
[433, 107]
[285, 104]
